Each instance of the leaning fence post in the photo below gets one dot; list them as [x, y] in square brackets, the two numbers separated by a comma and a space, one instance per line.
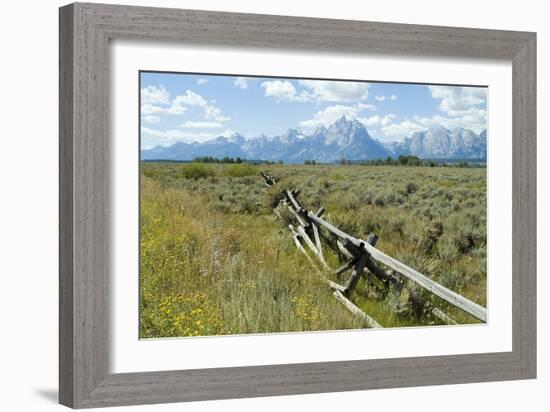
[356, 273]
[317, 240]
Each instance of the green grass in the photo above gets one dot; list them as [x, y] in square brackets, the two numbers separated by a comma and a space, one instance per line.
[214, 259]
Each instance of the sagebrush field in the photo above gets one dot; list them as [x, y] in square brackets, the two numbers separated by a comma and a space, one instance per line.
[214, 258]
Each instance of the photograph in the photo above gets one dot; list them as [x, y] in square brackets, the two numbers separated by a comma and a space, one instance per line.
[286, 205]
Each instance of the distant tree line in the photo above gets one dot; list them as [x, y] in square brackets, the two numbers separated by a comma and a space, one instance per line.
[399, 161]
[231, 160]
[210, 159]
[403, 160]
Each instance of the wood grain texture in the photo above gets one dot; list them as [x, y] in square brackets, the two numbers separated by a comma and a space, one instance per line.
[66, 228]
[524, 205]
[85, 30]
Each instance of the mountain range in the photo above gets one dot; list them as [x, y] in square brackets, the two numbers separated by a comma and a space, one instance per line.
[440, 143]
[344, 139]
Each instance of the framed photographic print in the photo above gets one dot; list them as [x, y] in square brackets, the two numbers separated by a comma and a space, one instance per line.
[257, 205]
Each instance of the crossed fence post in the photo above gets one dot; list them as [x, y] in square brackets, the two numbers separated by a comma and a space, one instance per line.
[360, 257]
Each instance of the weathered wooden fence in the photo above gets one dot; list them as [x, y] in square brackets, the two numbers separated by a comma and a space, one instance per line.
[268, 179]
[363, 260]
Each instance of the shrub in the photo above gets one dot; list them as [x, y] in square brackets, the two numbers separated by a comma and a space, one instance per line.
[379, 201]
[345, 221]
[429, 237]
[248, 205]
[447, 249]
[411, 188]
[195, 171]
[240, 170]
[467, 239]
[350, 202]
[397, 226]
[408, 302]
[369, 197]
[454, 280]
[395, 198]
[150, 173]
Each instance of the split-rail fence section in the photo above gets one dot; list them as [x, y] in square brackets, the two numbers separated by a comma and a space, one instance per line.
[363, 260]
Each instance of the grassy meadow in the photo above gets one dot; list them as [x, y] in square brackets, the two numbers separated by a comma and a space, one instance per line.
[214, 258]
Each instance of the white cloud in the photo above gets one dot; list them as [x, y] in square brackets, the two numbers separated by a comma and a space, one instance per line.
[456, 100]
[190, 98]
[171, 136]
[201, 125]
[316, 91]
[176, 110]
[151, 119]
[280, 90]
[155, 95]
[377, 120]
[213, 113]
[330, 114]
[178, 105]
[401, 129]
[381, 97]
[149, 109]
[334, 91]
[241, 82]
[202, 81]
[462, 106]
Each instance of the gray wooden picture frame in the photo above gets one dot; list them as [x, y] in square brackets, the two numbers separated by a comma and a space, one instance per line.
[85, 32]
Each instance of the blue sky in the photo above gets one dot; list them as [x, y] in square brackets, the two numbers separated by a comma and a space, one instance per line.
[188, 107]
